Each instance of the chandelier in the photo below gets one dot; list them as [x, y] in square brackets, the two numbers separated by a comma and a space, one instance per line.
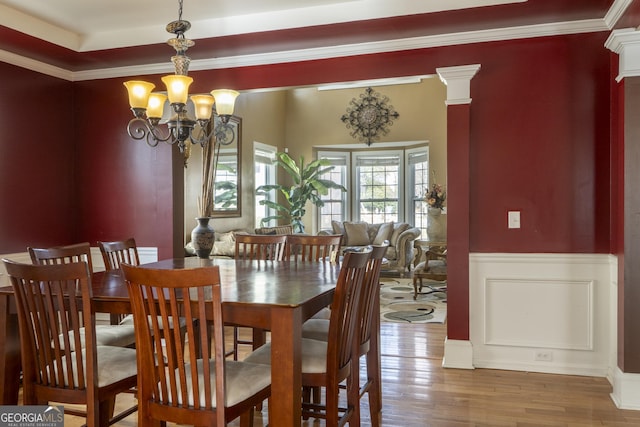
[148, 106]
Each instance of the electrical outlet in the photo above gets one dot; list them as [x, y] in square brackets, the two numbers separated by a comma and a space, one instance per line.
[543, 356]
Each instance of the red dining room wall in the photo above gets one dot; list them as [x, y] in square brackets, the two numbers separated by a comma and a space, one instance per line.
[37, 160]
[126, 186]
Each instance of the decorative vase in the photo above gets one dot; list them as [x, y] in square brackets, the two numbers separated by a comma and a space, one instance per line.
[436, 225]
[202, 238]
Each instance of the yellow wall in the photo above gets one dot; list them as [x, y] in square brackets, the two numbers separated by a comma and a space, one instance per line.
[303, 118]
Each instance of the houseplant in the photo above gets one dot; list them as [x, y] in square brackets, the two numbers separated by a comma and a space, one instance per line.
[307, 186]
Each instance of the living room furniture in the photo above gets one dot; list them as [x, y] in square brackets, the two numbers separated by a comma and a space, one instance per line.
[433, 268]
[400, 235]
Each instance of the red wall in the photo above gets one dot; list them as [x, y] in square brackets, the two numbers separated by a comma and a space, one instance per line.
[37, 160]
[126, 186]
[539, 138]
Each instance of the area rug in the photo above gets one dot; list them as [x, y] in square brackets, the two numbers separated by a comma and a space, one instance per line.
[397, 303]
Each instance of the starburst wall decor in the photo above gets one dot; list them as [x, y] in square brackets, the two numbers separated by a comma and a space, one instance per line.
[369, 116]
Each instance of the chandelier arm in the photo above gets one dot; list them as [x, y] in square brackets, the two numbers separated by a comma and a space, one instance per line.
[204, 135]
[138, 128]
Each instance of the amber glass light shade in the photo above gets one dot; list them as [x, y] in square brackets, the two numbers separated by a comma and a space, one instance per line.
[155, 106]
[203, 105]
[225, 101]
[177, 88]
[138, 93]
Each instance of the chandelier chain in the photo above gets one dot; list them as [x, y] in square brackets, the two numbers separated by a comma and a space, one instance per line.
[180, 10]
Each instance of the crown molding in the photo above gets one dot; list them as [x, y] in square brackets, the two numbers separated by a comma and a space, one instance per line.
[511, 33]
[33, 65]
[616, 11]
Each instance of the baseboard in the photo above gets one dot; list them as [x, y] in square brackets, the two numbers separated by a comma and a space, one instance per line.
[626, 390]
[457, 354]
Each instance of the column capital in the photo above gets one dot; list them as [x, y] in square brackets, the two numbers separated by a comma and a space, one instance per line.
[458, 82]
[626, 43]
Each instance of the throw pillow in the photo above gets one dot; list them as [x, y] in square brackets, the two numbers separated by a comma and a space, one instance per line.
[282, 229]
[356, 233]
[229, 237]
[337, 227]
[384, 233]
[398, 229]
[224, 248]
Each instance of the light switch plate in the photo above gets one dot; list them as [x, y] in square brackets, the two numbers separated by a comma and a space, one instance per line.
[514, 219]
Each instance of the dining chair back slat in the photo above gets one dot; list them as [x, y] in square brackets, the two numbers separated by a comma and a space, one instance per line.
[62, 254]
[113, 334]
[119, 252]
[55, 318]
[260, 247]
[302, 247]
[190, 382]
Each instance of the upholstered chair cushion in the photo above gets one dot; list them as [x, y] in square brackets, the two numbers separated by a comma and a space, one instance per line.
[114, 364]
[108, 335]
[314, 356]
[243, 380]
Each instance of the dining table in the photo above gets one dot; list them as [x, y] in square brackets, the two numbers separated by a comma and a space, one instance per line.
[277, 296]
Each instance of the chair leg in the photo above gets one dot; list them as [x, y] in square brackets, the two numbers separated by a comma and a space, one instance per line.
[374, 391]
[353, 394]
[104, 412]
[246, 418]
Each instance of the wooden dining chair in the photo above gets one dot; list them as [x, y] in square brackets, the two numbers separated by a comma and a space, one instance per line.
[189, 384]
[319, 248]
[302, 247]
[113, 254]
[328, 363]
[263, 247]
[117, 335]
[369, 317]
[260, 247]
[119, 252]
[55, 318]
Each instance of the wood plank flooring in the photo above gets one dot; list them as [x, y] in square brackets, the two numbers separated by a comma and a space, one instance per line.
[418, 392]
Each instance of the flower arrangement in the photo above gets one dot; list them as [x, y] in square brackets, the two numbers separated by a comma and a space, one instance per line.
[435, 196]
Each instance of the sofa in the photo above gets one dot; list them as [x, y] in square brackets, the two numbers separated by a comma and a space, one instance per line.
[400, 235]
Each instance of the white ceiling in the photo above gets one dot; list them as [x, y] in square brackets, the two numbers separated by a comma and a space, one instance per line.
[86, 25]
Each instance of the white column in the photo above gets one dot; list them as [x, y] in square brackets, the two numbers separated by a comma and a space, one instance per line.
[458, 82]
[626, 43]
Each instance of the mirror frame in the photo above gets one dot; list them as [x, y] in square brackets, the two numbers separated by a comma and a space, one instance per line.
[236, 123]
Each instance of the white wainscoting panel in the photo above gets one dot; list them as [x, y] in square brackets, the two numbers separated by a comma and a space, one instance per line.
[543, 312]
[554, 314]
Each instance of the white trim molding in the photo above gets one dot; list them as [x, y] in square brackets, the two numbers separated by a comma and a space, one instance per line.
[626, 390]
[457, 354]
[543, 312]
[458, 82]
[626, 43]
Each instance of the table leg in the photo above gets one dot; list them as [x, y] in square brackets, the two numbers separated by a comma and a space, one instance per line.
[10, 365]
[286, 366]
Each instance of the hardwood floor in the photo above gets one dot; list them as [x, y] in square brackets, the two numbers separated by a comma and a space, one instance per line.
[418, 392]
